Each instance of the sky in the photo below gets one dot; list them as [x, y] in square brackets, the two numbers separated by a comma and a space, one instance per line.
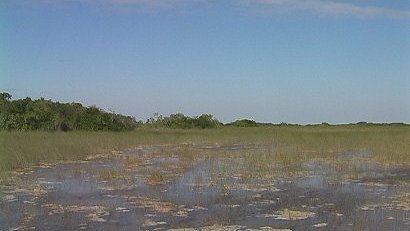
[294, 61]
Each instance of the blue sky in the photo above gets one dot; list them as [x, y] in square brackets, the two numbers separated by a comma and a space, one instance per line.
[297, 61]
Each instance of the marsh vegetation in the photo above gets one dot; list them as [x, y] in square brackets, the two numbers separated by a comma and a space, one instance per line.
[230, 178]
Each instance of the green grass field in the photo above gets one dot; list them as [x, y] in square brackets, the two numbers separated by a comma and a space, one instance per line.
[388, 144]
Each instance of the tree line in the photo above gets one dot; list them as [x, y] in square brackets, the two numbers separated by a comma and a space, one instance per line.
[41, 114]
[47, 115]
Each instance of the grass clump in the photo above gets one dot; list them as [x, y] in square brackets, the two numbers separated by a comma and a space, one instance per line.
[156, 177]
[132, 162]
[108, 175]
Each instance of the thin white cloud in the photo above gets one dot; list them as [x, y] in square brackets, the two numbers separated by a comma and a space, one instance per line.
[323, 7]
[328, 8]
[153, 3]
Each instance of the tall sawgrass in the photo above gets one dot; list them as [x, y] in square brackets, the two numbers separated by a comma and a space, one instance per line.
[388, 144]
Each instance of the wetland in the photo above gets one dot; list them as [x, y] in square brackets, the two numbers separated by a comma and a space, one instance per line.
[210, 186]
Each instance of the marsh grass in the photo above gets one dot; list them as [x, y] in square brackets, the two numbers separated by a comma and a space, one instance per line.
[133, 162]
[156, 177]
[188, 153]
[291, 144]
[108, 174]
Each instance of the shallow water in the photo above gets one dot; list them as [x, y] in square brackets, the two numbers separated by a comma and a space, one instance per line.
[154, 188]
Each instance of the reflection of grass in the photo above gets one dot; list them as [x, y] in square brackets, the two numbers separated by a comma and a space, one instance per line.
[389, 144]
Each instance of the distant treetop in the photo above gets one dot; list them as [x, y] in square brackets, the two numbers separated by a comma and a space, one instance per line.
[180, 120]
[243, 123]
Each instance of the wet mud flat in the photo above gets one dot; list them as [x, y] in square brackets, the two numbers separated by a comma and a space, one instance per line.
[209, 187]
